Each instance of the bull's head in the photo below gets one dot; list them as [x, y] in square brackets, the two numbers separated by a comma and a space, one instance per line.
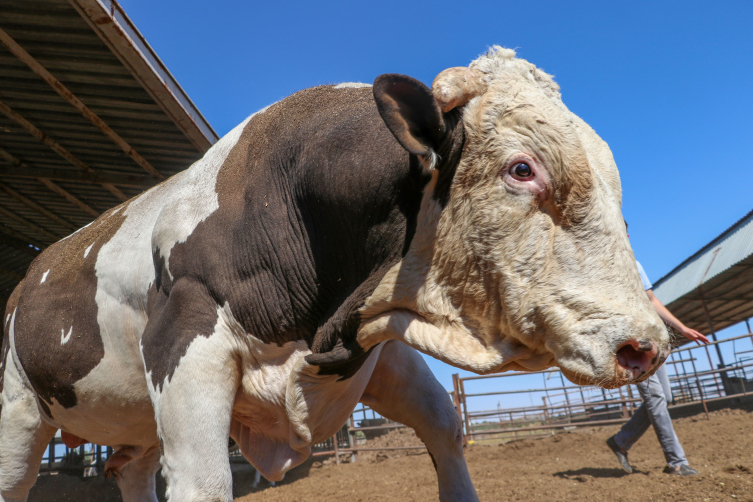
[524, 262]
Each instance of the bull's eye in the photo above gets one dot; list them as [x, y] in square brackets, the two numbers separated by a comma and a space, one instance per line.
[521, 170]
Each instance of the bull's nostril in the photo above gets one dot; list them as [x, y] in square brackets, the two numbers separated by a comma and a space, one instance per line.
[645, 346]
[637, 356]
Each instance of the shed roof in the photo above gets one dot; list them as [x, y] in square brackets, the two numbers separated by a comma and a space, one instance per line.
[718, 277]
[89, 117]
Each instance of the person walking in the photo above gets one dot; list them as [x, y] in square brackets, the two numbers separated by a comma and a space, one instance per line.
[656, 395]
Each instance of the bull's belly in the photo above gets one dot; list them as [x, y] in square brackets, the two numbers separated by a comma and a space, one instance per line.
[113, 407]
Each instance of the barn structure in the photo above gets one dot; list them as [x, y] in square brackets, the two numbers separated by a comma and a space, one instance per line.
[89, 117]
[713, 288]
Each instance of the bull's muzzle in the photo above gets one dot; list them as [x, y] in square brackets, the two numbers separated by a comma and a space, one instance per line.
[639, 358]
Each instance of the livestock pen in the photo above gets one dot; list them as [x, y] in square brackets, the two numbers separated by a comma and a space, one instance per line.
[698, 377]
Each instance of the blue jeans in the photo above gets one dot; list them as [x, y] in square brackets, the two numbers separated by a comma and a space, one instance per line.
[654, 412]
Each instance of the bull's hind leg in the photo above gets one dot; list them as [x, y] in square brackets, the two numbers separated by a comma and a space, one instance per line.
[24, 436]
[402, 388]
[137, 479]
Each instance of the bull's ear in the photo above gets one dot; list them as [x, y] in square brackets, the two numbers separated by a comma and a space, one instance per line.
[411, 113]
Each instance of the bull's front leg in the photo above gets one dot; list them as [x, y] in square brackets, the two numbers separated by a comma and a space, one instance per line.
[403, 389]
[193, 374]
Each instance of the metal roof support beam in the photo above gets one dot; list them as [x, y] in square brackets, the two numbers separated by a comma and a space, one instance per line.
[24, 171]
[36, 207]
[15, 243]
[66, 94]
[21, 237]
[711, 326]
[110, 22]
[16, 276]
[29, 225]
[70, 198]
[56, 147]
[52, 186]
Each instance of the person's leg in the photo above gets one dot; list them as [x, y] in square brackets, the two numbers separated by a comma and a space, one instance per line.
[656, 405]
[634, 428]
[666, 387]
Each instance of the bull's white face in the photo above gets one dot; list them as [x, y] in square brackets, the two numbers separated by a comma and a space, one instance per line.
[529, 265]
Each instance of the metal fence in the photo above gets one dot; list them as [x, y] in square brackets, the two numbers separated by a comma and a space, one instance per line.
[84, 461]
[698, 375]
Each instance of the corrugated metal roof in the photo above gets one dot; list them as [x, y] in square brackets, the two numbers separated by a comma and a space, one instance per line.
[89, 117]
[719, 276]
[733, 246]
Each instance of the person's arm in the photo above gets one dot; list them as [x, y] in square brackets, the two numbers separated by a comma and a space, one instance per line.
[667, 317]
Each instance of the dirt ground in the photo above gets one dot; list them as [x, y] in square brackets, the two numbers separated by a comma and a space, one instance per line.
[573, 466]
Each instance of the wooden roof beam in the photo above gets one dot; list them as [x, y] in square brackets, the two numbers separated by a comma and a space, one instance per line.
[21, 237]
[66, 94]
[18, 244]
[56, 147]
[69, 197]
[77, 176]
[36, 207]
[52, 186]
[14, 275]
[31, 226]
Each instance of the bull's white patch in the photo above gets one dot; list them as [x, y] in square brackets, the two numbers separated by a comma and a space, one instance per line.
[65, 337]
[86, 251]
[44, 276]
[282, 408]
[7, 318]
[115, 211]
[351, 85]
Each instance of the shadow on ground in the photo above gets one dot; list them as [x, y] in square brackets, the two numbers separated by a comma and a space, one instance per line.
[594, 472]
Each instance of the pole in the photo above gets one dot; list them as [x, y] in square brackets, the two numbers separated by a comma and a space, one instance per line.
[711, 326]
[456, 402]
[624, 406]
[703, 401]
[337, 449]
[352, 441]
[465, 406]
[546, 414]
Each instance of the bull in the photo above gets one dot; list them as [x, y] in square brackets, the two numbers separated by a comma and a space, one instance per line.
[298, 267]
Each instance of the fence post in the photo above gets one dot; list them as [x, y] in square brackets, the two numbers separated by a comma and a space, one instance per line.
[456, 402]
[465, 410]
[703, 401]
[337, 449]
[624, 406]
[352, 440]
[546, 413]
[631, 407]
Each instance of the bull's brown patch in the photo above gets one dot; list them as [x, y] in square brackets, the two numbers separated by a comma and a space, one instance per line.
[57, 335]
[316, 201]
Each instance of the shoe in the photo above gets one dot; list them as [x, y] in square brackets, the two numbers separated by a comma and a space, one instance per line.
[621, 456]
[684, 470]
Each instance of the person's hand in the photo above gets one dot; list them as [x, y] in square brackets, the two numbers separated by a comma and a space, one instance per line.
[694, 335]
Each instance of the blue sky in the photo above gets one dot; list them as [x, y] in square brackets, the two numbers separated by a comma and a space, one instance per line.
[669, 85]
